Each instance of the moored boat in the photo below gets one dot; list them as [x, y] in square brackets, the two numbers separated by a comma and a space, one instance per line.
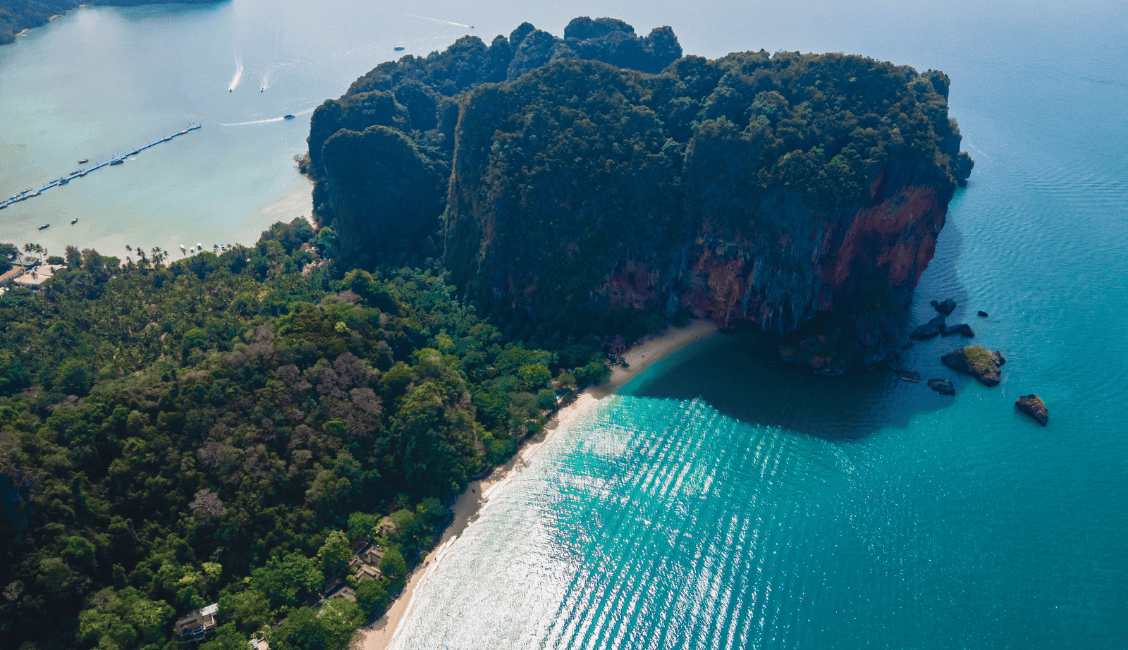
[398, 48]
[45, 226]
[74, 221]
[84, 161]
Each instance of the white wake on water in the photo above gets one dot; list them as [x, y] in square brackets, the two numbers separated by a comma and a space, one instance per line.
[437, 20]
[268, 120]
[238, 72]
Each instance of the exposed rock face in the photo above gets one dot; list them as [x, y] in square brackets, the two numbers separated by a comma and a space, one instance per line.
[942, 386]
[1033, 406]
[985, 365]
[603, 213]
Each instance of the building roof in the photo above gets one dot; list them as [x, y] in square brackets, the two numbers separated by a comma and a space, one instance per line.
[37, 276]
[197, 623]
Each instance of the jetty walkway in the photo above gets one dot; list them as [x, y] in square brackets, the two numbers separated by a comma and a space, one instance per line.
[116, 160]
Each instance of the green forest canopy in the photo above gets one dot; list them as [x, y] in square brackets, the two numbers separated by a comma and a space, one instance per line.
[217, 428]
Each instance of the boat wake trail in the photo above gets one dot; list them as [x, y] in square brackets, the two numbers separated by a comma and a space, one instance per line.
[437, 20]
[268, 120]
[273, 60]
[238, 74]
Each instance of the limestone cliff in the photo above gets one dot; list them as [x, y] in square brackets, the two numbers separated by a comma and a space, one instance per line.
[599, 182]
[571, 196]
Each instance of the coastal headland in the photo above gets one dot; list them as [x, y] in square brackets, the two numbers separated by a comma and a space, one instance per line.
[603, 182]
[382, 633]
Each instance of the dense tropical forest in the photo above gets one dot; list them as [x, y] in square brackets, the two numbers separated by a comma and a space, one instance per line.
[220, 428]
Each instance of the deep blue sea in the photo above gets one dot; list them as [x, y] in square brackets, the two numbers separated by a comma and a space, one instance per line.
[718, 501]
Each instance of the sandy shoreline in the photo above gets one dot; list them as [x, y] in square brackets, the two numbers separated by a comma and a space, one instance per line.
[381, 634]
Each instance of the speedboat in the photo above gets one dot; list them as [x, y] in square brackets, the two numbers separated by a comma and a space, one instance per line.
[74, 221]
[45, 226]
[84, 161]
[287, 116]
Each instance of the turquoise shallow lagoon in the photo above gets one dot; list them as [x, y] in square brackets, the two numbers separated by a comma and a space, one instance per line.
[719, 501]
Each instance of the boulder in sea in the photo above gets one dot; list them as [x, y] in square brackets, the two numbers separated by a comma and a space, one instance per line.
[946, 307]
[982, 314]
[1033, 406]
[910, 375]
[929, 329]
[962, 328]
[942, 386]
[978, 361]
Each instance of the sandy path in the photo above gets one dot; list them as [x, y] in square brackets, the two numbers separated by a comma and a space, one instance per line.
[381, 634]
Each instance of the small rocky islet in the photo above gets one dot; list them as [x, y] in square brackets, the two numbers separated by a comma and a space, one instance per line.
[1033, 406]
[977, 361]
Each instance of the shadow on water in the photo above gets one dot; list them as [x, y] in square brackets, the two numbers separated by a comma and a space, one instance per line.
[735, 373]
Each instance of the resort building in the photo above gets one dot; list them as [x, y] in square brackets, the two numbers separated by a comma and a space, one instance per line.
[197, 625]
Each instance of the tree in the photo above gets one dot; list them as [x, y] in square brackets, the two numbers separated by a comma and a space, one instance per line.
[306, 629]
[249, 608]
[393, 567]
[361, 524]
[226, 638]
[73, 378]
[286, 580]
[372, 596]
[335, 554]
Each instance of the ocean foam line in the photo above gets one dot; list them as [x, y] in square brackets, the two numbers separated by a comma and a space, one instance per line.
[439, 555]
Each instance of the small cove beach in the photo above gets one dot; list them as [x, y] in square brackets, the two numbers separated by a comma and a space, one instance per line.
[383, 633]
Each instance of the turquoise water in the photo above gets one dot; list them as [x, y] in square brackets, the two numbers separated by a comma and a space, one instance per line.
[721, 501]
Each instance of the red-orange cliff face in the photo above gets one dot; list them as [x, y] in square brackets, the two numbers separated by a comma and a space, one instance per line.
[580, 190]
[780, 285]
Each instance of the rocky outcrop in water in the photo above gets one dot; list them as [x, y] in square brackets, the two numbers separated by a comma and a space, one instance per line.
[976, 360]
[929, 330]
[1033, 406]
[963, 329]
[942, 386]
[946, 308]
